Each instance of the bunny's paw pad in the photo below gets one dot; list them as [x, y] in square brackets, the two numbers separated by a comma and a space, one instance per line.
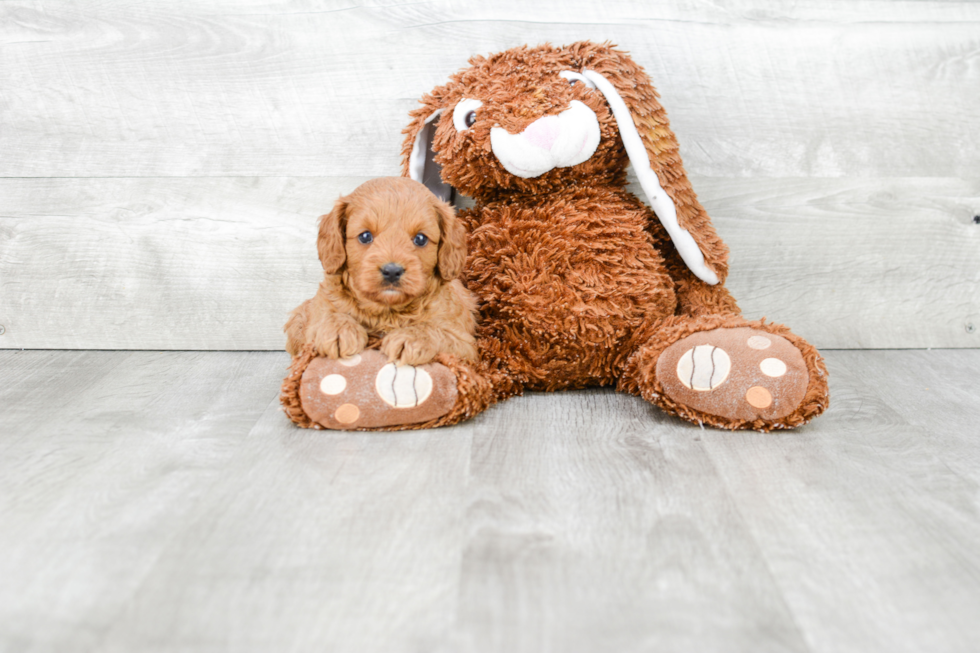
[737, 374]
[366, 391]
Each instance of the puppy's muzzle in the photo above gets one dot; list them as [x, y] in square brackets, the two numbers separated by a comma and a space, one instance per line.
[392, 273]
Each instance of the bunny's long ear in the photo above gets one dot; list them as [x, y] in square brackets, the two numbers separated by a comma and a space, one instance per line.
[653, 151]
[420, 163]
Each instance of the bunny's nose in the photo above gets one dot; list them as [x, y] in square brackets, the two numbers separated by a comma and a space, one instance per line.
[543, 132]
[392, 272]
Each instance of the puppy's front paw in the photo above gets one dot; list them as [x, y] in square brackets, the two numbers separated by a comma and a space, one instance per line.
[410, 346]
[338, 338]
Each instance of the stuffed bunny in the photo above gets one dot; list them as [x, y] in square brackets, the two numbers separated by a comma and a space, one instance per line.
[582, 284]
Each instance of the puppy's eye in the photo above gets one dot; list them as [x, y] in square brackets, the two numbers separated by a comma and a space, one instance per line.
[464, 115]
[421, 240]
[365, 237]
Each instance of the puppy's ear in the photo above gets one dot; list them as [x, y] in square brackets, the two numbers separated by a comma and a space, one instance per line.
[654, 153]
[332, 237]
[452, 243]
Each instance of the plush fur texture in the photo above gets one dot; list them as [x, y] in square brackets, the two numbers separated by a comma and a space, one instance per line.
[638, 376]
[423, 313]
[580, 284]
[476, 391]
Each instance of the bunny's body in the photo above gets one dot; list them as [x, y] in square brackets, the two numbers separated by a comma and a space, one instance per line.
[581, 283]
[551, 276]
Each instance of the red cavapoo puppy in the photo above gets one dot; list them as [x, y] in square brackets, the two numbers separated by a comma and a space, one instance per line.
[391, 253]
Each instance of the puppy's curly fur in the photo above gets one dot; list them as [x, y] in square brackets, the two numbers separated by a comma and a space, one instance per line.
[412, 315]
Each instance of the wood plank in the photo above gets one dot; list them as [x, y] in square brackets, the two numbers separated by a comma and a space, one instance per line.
[126, 88]
[90, 497]
[868, 515]
[596, 523]
[219, 263]
[855, 263]
[152, 511]
[870, 528]
[158, 264]
[312, 540]
[934, 390]
[27, 376]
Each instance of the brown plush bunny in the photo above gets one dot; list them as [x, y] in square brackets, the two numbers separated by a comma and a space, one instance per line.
[581, 283]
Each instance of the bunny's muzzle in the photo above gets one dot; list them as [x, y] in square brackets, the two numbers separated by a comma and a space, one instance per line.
[558, 141]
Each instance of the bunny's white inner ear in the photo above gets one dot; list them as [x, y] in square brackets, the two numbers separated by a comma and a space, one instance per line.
[657, 197]
[422, 166]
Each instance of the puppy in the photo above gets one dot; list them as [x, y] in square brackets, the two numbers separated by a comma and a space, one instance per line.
[391, 254]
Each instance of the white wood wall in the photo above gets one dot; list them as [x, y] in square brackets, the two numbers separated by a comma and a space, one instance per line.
[162, 163]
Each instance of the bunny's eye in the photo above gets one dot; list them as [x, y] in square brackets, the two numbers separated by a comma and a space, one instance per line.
[464, 115]
[576, 78]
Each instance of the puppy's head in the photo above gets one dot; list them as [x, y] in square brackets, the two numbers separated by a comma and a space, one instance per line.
[396, 240]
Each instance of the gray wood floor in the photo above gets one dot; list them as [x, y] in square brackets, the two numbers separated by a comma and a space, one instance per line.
[161, 501]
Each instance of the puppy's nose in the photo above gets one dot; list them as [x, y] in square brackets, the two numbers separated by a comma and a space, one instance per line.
[392, 272]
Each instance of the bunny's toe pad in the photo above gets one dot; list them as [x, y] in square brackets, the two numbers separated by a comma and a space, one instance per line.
[737, 374]
[366, 391]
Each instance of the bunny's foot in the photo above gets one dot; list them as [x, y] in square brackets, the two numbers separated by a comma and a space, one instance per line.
[366, 392]
[730, 373]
